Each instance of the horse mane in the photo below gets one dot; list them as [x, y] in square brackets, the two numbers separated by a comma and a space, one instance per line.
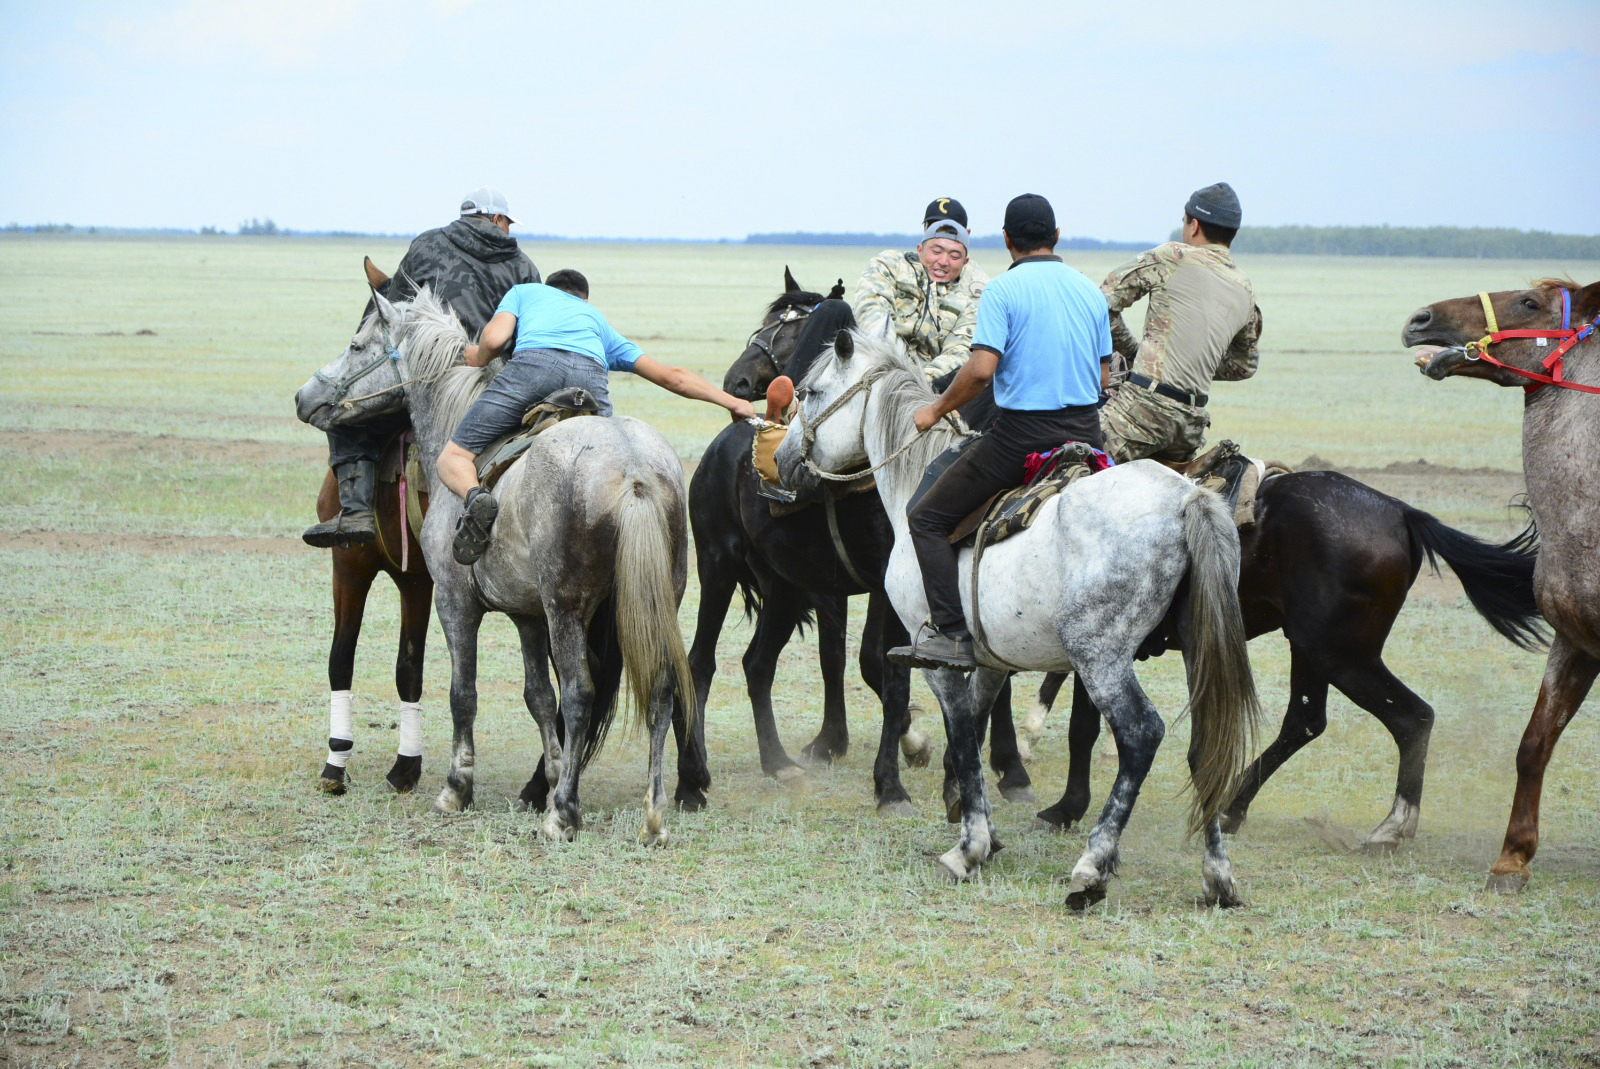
[792, 299]
[435, 340]
[1556, 284]
[903, 389]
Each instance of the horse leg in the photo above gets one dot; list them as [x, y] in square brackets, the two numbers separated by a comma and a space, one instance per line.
[1138, 729]
[1032, 727]
[1305, 718]
[352, 579]
[570, 653]
[1082, 730]
[460, 624]
[984, 688]
[1005, 751]
[654, 830]
[781, 611]
[540, 698]
[892, 683]
[977, 842]
[1568, 675]
[416, 604]
[717, 585]
[1216, 871]
[1410, 721]
[833, 740]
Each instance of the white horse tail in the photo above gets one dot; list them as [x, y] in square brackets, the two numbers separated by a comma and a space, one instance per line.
[1223, 707]
[647, 598]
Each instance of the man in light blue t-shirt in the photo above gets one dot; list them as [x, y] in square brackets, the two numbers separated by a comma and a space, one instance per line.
[1043, 336]
[561, 341]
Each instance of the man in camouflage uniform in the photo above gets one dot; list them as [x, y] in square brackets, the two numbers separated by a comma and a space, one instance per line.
[1202, 324]
[930, 294]
[469, 265]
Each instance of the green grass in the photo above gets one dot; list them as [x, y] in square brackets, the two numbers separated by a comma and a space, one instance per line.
[174, 890]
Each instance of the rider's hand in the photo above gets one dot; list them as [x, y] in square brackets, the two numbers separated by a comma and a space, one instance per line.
[925, 417]
[741, 410]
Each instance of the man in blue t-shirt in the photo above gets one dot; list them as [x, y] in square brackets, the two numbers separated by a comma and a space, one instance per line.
[1044, 337]
[561, 341]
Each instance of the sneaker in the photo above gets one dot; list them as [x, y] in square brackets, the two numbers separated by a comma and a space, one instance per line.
[933, 648]
[472, 529]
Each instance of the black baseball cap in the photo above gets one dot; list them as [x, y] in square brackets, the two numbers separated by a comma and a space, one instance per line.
[944, 208]
[1030, 220]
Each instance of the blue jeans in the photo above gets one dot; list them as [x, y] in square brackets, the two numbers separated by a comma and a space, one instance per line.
[530, 377]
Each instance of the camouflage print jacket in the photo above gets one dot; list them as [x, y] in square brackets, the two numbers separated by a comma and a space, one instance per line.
[468, 264]
[934, 319]
[1202, 322]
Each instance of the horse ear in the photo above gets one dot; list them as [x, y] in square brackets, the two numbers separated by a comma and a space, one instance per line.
[1586, 302]
[837, 293]
[844, 346]
[789, 284]
[386, 310]
[375, 277]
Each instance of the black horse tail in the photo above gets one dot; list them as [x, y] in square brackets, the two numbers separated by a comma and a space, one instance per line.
[1498, 580]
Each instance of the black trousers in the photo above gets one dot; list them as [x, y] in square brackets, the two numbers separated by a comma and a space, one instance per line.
[364, 440]
[991, 464]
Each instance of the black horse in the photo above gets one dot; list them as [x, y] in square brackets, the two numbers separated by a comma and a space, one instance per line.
[1329, 561]
[803, 566]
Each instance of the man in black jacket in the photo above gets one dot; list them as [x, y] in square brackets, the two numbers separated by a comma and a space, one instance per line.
[469, 264]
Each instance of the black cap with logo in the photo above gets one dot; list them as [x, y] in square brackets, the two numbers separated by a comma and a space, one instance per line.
[944, 208]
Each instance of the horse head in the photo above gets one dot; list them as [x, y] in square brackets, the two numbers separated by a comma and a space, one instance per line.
[1459, 333]
[772, 343]
[362, 381]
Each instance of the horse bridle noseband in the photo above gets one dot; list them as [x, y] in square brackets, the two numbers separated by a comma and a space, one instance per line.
[341, 386]
[1479, 350]
[808, 435]
[789, 315]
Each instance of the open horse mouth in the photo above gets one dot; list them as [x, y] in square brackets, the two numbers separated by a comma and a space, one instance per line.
[1438, 354]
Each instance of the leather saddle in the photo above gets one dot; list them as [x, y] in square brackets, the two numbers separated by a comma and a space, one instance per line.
[561, 405]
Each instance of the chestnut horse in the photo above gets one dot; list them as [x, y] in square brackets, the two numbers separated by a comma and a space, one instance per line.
[1542, 339]
[396, 555]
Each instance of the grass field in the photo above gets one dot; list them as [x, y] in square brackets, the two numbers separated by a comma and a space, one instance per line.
[175, 891]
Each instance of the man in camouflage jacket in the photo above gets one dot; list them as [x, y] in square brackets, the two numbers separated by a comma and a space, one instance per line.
[1202, 324]
[469, 264]
[932, 302]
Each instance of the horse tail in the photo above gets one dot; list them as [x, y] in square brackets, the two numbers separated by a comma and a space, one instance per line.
[1223, 707]
[1498, 580]
[647, 596]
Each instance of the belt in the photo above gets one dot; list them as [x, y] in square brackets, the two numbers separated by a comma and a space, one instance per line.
[1198, 400]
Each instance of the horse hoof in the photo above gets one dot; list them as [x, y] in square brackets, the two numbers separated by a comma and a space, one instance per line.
[824, 751]
[953, 865]
[449, 803]
[332, 780]
[1507, 883]
[1081, 894]
[555, 830]
[917, 749]
[1375, 847]
[1224, 896]
[404, 775]
[689, 801]
[1023, 795]
[900, 807]
[653, 838]
[789, 774]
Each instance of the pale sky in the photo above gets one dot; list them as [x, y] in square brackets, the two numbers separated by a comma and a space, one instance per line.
[711, 120]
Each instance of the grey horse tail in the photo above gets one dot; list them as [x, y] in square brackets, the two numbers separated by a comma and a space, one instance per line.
[647, 601]
[1223, 706]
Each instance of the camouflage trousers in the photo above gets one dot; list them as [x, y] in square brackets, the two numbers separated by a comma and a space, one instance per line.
[1137, 423]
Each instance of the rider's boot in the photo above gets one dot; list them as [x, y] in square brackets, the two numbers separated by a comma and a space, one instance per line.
[354, 526]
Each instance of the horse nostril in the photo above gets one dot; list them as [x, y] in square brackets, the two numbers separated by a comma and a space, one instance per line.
[1421, 319]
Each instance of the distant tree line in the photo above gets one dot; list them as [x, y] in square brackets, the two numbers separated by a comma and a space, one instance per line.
[1471, 242]
[892, 241]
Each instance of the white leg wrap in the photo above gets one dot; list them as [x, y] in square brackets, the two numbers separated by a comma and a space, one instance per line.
[340, 727]
[410, 730]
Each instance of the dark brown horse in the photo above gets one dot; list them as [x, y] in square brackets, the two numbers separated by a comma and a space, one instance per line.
[396, 555]
[1329, 561]
[1551, 352]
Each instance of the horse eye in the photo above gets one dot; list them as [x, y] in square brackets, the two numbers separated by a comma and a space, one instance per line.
[1530, 304]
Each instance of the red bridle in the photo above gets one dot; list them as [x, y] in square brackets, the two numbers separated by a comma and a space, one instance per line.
[1479, 350]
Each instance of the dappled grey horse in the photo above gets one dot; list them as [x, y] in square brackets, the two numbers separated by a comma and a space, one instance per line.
[592, 515]
[1107, 562]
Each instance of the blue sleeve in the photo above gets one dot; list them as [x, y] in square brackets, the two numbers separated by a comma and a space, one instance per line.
[511, 302]
[1103, 331]
[621, 354]
[993, 329]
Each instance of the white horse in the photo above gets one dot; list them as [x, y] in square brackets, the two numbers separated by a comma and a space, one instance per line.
[1111, 561]
[591, 523]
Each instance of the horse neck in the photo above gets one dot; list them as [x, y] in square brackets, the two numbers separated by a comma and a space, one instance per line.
[1560, 445]
[426, 423]
[898, 479]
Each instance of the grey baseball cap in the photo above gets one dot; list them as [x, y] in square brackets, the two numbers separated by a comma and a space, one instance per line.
[948, 229]
[485, 201]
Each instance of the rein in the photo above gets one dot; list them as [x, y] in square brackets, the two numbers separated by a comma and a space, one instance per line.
[1479, 350]
[808, 436]
[790, 315]
[391, 353]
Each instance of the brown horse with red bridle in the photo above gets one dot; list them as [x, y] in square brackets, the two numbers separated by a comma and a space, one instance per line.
[1544, 340]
